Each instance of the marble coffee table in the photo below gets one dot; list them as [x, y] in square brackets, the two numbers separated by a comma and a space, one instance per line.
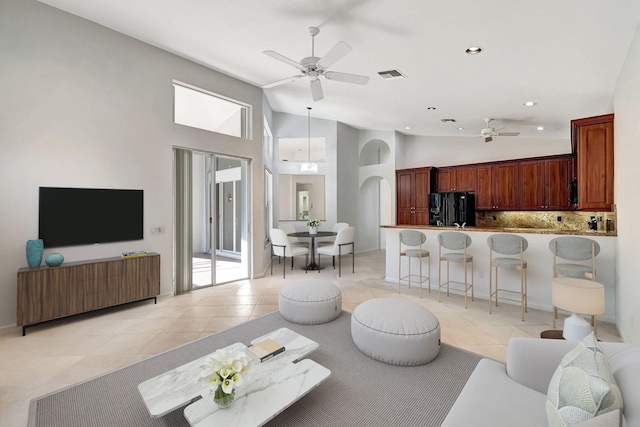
[271, 387]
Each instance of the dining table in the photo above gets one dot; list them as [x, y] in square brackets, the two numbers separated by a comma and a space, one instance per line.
[312, 258]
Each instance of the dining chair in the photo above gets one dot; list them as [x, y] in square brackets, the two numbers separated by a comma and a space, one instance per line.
[294, 241]
[336, 227]
[508, 244]
[343, 245]
[281, 247]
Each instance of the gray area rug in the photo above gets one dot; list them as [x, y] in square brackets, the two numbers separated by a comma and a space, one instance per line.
[359, 392]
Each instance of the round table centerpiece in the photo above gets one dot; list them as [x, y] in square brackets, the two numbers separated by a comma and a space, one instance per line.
[224, 372]
[313, 225]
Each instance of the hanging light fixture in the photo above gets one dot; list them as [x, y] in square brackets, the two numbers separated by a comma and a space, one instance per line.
[309, 167]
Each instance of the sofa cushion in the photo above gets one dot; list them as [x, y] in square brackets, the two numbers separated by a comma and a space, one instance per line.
[582, 386]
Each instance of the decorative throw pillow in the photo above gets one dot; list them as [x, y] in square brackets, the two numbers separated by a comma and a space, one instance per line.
[582, 387]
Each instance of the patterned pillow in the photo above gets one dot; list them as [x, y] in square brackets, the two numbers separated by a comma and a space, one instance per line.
[582, 387]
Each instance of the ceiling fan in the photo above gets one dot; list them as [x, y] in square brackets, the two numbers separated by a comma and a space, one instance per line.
[314, 67]
[489, 132]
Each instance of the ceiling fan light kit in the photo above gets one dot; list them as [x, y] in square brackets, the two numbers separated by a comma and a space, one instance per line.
[489, 132]
[315, 67]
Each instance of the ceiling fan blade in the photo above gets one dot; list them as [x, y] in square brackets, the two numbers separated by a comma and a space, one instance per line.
[282, 58]
[347, 78]
[283, 81]
[316, 90]
[337, 52]
[509, 134]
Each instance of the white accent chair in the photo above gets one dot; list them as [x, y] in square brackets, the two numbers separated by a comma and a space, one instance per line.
[413, 240]
[336, 227]
[294, 241]
[281, 247]
[508, 244]
[343, 245]
[574, 248]
[455, 241]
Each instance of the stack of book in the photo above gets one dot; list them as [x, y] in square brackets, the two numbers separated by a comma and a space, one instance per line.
[133, 254]
[265, 350]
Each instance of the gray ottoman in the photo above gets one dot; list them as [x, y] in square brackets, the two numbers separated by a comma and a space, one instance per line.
[396, 331]
[310, 302]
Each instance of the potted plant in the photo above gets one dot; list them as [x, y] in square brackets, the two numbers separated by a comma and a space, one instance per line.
[313, 225]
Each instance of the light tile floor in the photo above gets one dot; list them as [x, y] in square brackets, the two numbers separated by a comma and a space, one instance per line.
[64, 352]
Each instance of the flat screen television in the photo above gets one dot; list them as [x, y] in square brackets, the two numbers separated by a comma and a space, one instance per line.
[82, 216]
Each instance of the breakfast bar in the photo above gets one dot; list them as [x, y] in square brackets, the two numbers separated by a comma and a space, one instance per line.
[538, 257]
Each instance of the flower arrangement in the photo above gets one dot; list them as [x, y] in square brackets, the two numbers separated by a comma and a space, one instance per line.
[224, 372]
[313, 223]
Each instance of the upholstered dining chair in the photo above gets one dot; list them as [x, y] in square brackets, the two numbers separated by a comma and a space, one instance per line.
[573, 248]
[507, 244]
[336, 227]
[455, 241]
[281, 247]
[294, 241]
[343, 245]
[412, 241]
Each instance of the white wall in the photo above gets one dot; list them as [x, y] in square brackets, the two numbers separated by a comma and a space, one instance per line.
[84, 106]
[626, 103]
[419, 151]
[347, 175]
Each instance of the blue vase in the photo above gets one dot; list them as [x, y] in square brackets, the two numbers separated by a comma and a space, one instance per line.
[35, 249]
[54, 260]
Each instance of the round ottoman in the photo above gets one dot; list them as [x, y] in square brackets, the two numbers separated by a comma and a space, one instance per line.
[310, 302]
[396, 331]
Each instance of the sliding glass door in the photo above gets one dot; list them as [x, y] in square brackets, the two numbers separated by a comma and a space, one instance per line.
[213, 236]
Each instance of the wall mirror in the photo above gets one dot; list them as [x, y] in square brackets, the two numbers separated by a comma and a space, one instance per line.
[301, 197]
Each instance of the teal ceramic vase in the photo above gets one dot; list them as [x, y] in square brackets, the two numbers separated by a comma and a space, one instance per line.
[54, 259]
[35, 249]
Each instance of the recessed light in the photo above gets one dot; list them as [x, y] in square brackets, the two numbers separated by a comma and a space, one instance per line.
[530, 104]
[431, 108]
[461, 128]
[540, 128]
[474, 50]
[407, 128]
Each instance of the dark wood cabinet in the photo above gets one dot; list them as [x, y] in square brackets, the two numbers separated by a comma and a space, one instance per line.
[48, 293]
[592, 141]
[412, 195]
[544, 184]
[496, 187]
[456, 179]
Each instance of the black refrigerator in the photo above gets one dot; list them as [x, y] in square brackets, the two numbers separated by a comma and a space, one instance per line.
[449, 209]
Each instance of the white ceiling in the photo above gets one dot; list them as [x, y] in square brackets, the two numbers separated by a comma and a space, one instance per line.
[565, 55]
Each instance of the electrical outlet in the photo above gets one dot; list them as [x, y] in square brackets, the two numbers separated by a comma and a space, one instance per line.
[559, 219]
[157, 230]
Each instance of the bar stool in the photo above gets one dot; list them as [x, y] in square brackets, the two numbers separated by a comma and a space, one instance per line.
[574, 248]
[413, 238]
[508, 244]
[455, 241]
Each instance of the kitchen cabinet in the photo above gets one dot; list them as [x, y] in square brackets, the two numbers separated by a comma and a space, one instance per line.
[592, 141]
[497, 186]
[412, 195]
[544, 184]
[456, 179]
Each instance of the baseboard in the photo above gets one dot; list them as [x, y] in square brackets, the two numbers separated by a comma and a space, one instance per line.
[9, 328]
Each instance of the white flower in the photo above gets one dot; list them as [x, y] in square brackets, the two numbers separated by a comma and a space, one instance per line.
[223, 370]
[313, 223]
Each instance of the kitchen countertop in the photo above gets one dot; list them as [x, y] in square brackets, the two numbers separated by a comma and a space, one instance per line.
[507, 230]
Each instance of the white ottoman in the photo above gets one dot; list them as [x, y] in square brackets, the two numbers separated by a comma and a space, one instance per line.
[310, 302]
[396, 331]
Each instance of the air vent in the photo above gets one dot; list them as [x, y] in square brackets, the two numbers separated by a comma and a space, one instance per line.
[448, 120]
[392, 74]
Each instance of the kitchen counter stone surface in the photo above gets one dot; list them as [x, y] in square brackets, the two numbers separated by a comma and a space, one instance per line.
[507, 230]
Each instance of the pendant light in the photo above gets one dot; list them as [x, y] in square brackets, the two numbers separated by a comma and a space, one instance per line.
[309, 167]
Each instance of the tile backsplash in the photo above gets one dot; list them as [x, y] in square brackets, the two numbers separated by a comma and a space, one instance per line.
[548, 220]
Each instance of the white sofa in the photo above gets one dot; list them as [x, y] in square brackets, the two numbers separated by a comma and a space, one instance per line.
[514, 395]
